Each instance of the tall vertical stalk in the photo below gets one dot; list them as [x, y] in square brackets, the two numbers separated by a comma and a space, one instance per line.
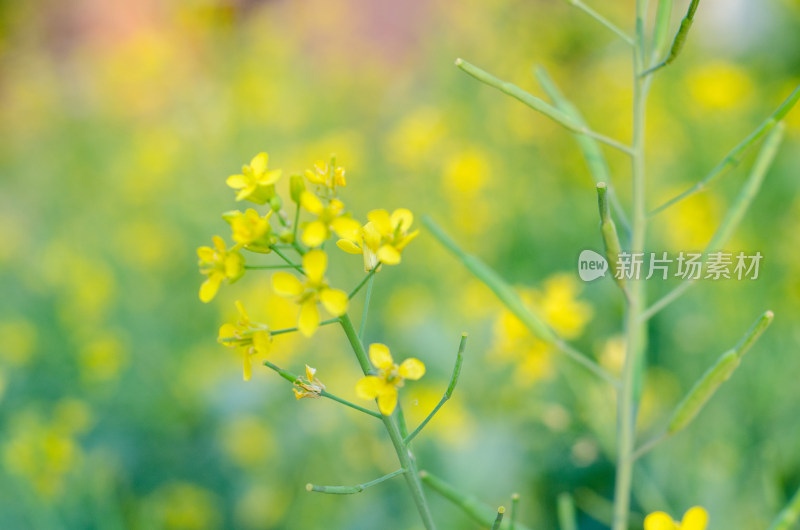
[404, 454]
[635, 329]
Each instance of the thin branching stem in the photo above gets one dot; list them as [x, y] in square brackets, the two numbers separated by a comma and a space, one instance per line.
[363, 282]
[539, 105]
[283, 256]
[271, 267]
[292, 330]
[448, 393]
[362, 326]
[292, 378]
[509, 297]
[350, 490]
[602, 20]
[404, 454]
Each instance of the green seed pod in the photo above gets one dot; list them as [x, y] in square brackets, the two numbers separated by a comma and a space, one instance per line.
[702, 391]
[296, 187]
[609, 231]
[275, 203]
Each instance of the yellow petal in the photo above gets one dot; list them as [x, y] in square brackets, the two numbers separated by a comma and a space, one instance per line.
[236, 182]
[334, 300]
[372, 238]
[308, 322]
[262, 342]
[285, 284]
[206, 254]
[314, 234]
[659, 521]
[369, 387]
[247, 367]
[380, 356]
[402, 218]
[381, 220]
[242, 312]
[270, 177]
[314, 264]
[387, 400]
[348, 246]
[412, 369]
[400, 245]
[311, 202]
[346, 227]
[259, 163]
[389, 255]
[227, 331]
[219, 243]
[310, 373]
[695, 518]
[209, 288]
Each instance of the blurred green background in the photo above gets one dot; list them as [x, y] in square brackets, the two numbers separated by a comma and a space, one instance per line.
[121, 121]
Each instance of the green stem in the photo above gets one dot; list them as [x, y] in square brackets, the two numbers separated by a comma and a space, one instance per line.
[292, 378]
[404, 454]
[362, 326]
[292, 330]
[499, 519]
[449, 392]
[735, 156]
[349, 490]
[287, 260]
[509, 297]
[602, 20]
[270, 267]
[789, 516]
[477, 510]
[592, 153]
[635, 331]
[514, 510]
[363, 282]
[734, 216]
[538, 104]
[566, 512]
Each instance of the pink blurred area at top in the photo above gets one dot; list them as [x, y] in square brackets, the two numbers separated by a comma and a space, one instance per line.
[363, 28]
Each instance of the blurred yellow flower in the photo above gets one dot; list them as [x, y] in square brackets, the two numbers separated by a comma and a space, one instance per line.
[311, 387]
[247, 441]
[315, 289]
[390, 377]
[466, 172]
[218, 264]
[394, 231]
[558, 305]
[102, 358]
[720, 86]
[251, 230]
[251, 338]
[256, 183]
[694, 519]
[367, 243]
[330, 218]
[183, 506]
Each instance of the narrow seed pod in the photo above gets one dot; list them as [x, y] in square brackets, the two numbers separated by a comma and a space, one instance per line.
[754, 333]
[609, 231]
[702, 391]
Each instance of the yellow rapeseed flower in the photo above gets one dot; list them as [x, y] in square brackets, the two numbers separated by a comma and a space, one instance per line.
[390, 377]
[694, 519]
[251, 338]
[256, 183]
[394, 231]
[315, 289]
[251, 230]
[330, 218]
[367, 243]
[327, 175]
[311, 387]
[218, 264]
